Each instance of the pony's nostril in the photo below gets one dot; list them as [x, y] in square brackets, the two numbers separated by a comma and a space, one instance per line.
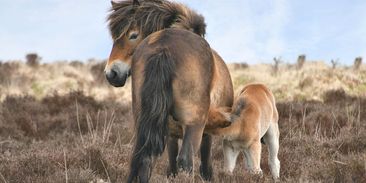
[111, 74]
[117, 74]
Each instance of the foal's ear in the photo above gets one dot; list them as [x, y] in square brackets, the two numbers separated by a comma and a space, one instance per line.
[226, 113]
[136, 2]
[233, 117]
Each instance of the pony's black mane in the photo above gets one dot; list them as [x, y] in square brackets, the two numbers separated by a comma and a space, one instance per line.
[151, 16]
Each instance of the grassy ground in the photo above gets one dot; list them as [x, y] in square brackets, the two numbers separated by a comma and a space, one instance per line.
[49, 134]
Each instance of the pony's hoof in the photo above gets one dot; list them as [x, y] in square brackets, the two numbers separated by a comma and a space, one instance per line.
[185, 165]
[206, 173]
[171, 172]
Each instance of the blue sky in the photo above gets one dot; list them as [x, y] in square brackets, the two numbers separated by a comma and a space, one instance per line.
[240, 30]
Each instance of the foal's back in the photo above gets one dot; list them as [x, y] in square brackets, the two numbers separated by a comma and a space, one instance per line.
[260, 104]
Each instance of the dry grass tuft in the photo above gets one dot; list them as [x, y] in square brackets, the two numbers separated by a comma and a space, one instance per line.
[27, 116]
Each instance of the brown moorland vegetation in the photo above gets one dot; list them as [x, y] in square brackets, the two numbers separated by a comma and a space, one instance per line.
[79, 135]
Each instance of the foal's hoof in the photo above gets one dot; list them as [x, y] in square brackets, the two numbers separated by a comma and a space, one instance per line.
[206, 173]
[258, 173]
[276, 179]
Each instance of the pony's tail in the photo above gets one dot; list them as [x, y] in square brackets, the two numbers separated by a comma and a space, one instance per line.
[152, 121]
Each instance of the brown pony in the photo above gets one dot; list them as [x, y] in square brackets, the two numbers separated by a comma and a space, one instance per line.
[174, 73]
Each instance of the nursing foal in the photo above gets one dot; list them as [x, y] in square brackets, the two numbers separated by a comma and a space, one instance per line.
[254, 120]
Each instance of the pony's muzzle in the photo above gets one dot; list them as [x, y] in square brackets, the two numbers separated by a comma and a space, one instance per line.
[117, 73]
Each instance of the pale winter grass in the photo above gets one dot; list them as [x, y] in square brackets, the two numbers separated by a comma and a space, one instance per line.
[60, 77]
[310, 82]
[288, 83]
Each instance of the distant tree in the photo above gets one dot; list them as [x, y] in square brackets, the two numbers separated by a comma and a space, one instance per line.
[357, 64]
[32, 59]
[334, 63]
[276, 64]
[301, 61]
[76, 63]
[241, 65]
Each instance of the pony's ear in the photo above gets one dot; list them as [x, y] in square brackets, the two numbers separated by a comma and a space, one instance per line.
[136, 2]
[114, 4]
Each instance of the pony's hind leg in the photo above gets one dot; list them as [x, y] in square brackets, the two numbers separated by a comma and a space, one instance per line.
[173, 153]
[271, 138]
[206, 166]
[191, 143]
[145, 170]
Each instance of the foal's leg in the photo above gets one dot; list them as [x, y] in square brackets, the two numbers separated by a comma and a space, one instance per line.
[206, 166]
[173, 153]
[253, 157]
[271, 138]
[230, 156]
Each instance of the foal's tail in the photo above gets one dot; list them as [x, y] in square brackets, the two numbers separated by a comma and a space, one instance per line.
[152, 121]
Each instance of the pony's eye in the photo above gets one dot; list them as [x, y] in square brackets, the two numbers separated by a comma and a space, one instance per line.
[133, 36]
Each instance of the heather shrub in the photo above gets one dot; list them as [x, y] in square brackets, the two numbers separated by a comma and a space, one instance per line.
[32, 59]
[97, 71]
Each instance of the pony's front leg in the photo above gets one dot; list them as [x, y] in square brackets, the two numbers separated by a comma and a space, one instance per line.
[191, 143]
[206, 165]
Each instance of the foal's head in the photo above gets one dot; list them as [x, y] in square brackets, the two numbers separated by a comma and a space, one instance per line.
[130, 22]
